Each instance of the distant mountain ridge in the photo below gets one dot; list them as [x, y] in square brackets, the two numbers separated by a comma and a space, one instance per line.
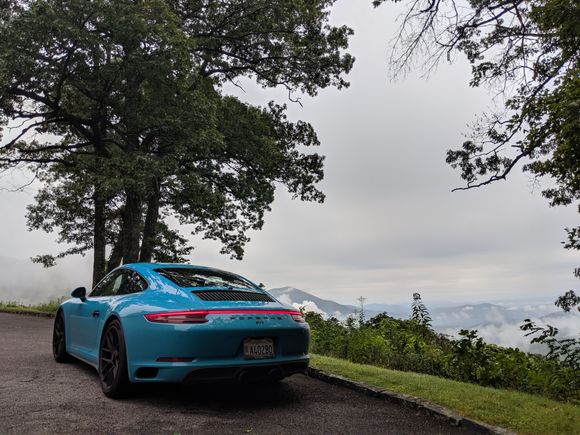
[294, 296]
[297, 297]
[496, 323]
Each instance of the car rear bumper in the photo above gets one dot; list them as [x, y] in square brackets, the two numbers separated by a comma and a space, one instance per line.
[172, 352]
[271, 371]
[246, 370]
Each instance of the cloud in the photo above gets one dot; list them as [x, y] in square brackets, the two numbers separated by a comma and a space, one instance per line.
[309, 306]
[285, 299]
[509, 334]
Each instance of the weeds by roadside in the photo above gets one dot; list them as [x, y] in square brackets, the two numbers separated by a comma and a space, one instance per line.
[45, 308]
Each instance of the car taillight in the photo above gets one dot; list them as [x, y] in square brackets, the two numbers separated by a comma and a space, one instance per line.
[201, 316]
[298, 317]
[178, 317]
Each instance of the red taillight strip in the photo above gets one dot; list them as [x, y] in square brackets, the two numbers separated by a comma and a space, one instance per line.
[198, 316]
[249, 311]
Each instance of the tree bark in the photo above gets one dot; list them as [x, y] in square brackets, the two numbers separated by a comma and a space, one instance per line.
[150, 229]
[132, 216]
[131, 227]
[116, 253]
[99, 242]
[100, 204]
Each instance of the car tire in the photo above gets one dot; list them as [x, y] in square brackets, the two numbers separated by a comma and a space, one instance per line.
[113, 374]
[59, 339]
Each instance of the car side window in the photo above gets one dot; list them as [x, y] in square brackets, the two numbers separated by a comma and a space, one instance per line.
[131, 283]
[108, 286]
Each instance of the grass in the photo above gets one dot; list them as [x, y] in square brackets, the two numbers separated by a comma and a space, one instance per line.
[48, 307]
[520, 412]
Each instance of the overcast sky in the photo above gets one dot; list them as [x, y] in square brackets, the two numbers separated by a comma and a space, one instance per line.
[390, 225]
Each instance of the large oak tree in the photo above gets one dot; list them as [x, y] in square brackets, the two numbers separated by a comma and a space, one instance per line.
[121, 112]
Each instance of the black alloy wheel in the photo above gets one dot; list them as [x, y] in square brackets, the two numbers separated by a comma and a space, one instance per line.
[113, 361]
[59, 339]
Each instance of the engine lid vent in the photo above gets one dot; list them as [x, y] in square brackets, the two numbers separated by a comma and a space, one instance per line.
[232, 295]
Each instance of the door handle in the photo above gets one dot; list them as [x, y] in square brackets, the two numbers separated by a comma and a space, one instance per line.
[96, 313]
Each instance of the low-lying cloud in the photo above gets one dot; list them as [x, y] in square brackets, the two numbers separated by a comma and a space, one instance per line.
[509, 334]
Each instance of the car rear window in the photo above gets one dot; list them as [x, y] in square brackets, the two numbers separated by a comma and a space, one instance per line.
[191, 277]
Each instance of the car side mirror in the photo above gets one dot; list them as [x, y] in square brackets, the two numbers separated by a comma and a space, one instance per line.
[80, 292]
[262, 286]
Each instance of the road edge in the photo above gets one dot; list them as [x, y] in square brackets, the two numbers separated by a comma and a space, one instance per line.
[27, 313]
[413, 402]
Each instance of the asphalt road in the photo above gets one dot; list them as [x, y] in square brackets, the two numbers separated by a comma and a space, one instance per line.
[38, 395]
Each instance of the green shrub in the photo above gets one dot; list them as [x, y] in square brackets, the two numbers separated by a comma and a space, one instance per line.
[408, 345]
[365, 347]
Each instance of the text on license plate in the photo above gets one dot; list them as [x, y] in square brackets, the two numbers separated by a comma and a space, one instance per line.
[255, 348]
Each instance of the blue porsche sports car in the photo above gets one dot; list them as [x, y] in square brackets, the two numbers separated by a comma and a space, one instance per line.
[173, 323]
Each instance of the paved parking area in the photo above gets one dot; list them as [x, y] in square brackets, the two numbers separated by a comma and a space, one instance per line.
[38, 395]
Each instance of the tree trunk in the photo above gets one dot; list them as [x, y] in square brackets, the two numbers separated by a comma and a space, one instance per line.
[132, 216]
[99, 242]
[116, 253]
[150, 229]
[100, 204]
[131, 227]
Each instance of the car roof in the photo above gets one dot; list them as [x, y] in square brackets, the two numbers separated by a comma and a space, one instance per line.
[148, 268]
[151, 266]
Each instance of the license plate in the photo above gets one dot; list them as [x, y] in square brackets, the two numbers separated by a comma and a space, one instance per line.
[258, 348]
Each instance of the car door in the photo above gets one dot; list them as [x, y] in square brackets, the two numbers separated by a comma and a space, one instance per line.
[86, 316]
